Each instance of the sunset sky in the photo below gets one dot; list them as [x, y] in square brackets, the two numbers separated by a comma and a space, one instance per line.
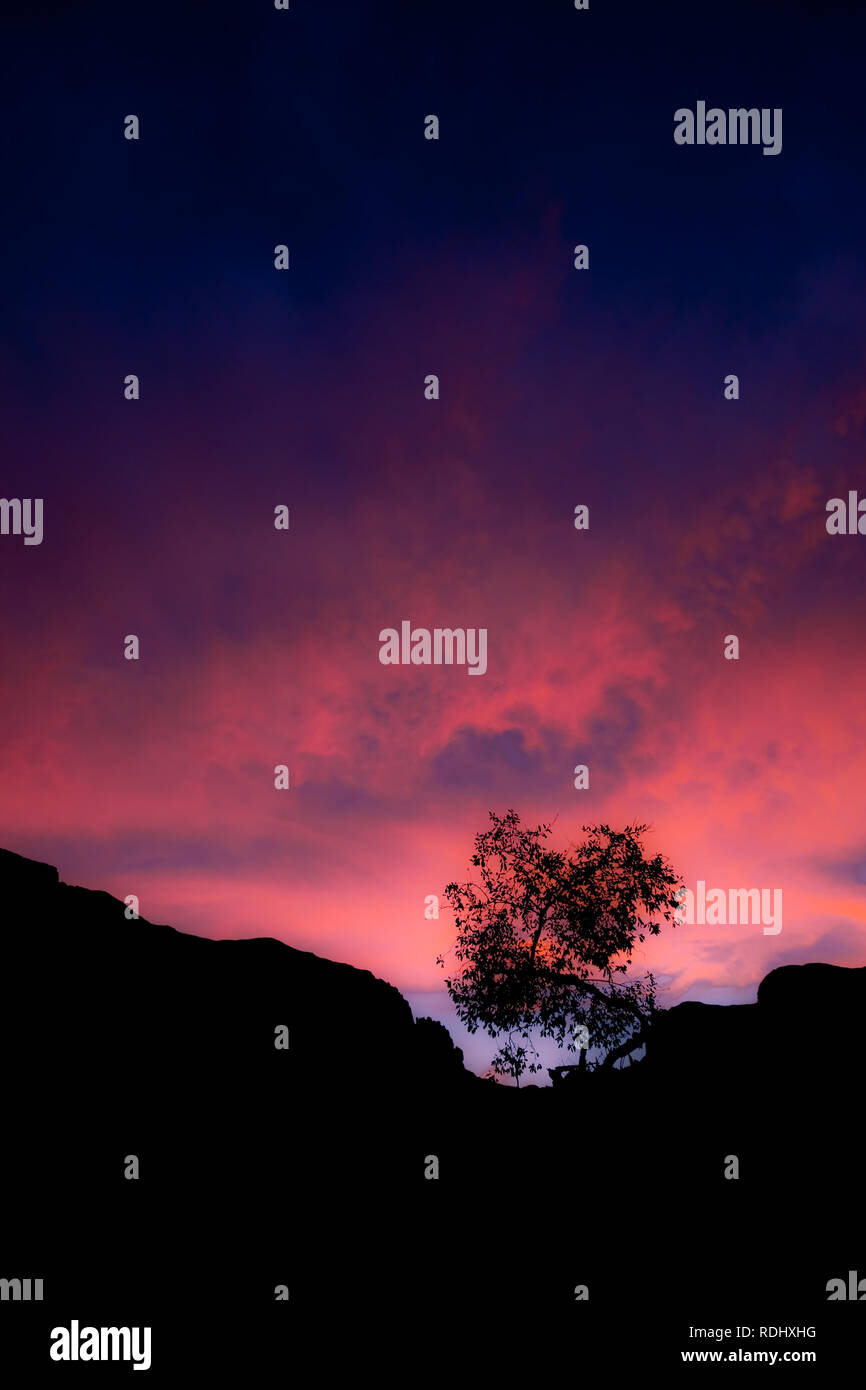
[558, 387]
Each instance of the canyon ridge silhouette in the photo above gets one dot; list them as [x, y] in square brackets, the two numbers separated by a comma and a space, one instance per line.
[305, 1166]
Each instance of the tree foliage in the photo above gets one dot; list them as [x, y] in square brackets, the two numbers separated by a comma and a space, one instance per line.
[546, 937]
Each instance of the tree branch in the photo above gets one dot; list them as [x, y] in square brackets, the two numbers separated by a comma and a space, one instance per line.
[630, 1045]
[537, 933]
[616, 1000]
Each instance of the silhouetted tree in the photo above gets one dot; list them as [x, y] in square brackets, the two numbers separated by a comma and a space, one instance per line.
[545, 937]
[510, 1060]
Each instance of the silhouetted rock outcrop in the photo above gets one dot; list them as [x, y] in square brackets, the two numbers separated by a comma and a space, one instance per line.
[216, 1000]
[805, 989]
[437, 1058]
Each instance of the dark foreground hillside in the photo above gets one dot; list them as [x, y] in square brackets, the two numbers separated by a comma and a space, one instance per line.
[305, 1167]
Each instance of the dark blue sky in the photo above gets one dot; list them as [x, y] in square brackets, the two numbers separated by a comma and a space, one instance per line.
[260, 125]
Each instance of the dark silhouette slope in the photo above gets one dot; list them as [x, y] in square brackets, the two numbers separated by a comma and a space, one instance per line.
[306, 1167]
